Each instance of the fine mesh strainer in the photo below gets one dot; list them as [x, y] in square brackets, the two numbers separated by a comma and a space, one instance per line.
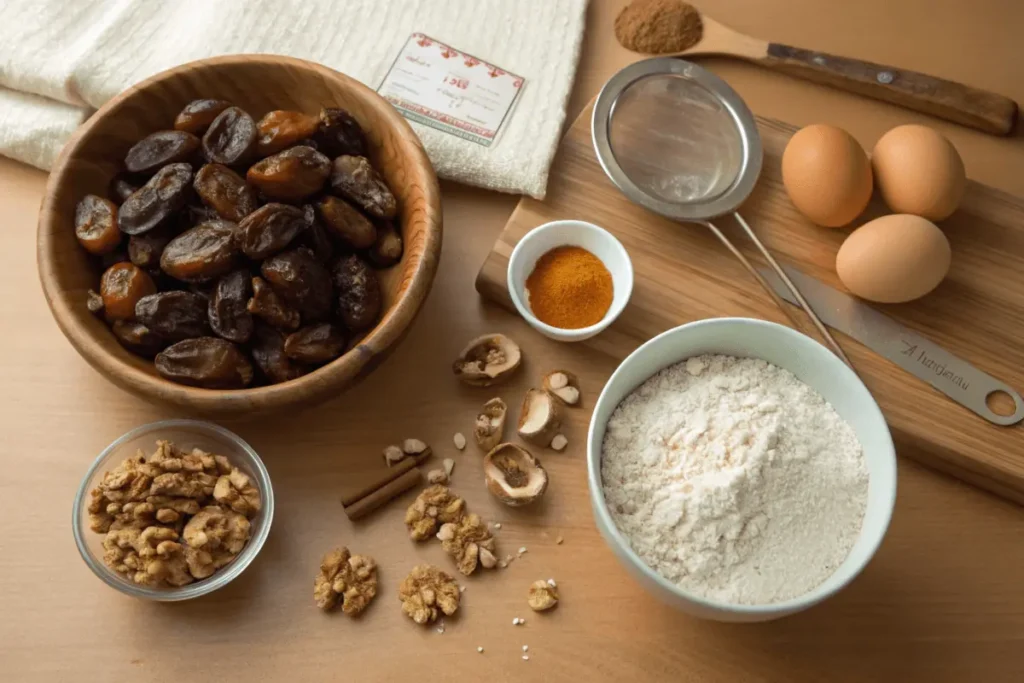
[677, 140]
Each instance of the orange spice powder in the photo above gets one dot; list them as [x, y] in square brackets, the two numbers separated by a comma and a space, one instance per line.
[569, 288]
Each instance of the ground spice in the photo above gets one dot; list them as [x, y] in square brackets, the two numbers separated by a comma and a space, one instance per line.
[658, 26]
[569, 288]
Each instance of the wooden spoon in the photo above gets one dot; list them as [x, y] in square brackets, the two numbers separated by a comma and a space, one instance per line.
[985, 111]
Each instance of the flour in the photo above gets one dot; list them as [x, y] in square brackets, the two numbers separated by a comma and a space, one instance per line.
[734, 480]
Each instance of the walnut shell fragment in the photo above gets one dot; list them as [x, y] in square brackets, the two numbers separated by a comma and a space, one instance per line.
[427, 593]
[563, 385]
[345, 578]
[490, 424]
[487, 360]
[513, 475]
[539, 417]
[543, 595]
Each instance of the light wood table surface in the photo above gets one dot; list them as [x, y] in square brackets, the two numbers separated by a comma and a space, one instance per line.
[942, 601]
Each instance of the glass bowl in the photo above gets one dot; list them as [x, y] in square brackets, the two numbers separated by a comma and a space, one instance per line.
[186, 434]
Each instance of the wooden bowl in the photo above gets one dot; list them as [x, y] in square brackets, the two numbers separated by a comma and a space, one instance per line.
[257, 83]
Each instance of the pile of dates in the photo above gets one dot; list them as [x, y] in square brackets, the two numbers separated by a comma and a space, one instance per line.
[238, 252]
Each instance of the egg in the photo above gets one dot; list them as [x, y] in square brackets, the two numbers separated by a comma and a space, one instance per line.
[894, 259]
[918, 171]
[826, 174]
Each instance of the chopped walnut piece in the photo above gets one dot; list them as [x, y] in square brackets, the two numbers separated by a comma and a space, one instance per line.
[215, 527]
[437, 477]
[352, 579]
[427, 592]
[160, 527]
[464, 540]
[543, 595]
[147, 557]
[236, 491]
[434, 506]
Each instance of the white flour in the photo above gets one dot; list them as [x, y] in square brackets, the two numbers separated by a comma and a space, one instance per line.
[735, 480]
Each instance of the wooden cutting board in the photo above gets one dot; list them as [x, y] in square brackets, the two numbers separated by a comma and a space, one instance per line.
[683, 273]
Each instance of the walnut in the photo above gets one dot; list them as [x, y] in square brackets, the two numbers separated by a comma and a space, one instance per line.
[350, 578]
[434, 506]
[427, 593]
[149, 557]
[234, 490]
[147, 507]
[543, 595]
[465, 540]
[216, 528]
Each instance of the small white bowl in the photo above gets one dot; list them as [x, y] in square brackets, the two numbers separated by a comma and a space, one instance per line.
[598, 242]
[814, 365]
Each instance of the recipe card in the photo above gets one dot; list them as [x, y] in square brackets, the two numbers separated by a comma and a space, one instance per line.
[436, 85]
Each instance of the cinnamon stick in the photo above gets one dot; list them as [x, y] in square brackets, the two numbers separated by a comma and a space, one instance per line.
[385, 494]
[391, 475]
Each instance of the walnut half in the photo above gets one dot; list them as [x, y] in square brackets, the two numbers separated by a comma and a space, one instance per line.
[434, 506]
[427, 593]
[487, 360]
[543, 595]
[350, 579]
[467, 541]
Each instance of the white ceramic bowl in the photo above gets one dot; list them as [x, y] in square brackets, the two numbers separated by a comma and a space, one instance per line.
[813, 364]
[598, 242]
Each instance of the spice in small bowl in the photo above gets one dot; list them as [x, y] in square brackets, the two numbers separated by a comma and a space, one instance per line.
[569, 288]
[569, 279]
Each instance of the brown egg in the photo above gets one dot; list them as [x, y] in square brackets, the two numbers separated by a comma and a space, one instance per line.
[826, 174]
[893, 259]
[918, 171]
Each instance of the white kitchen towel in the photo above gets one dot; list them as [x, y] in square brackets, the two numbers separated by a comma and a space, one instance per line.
[59, 59]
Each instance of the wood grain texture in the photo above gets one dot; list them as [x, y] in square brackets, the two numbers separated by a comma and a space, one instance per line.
[985, 111]
[257, 83]
[684, 274]
[972, 107]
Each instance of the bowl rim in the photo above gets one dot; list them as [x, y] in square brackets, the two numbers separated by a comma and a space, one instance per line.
[319, 384]
[203, 586]
[614, 311]
[620, 545]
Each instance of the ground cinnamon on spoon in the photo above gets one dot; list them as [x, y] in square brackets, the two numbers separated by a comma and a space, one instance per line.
[569, 288]
[658, 26]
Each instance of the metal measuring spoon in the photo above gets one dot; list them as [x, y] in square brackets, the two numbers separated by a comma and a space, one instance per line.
[677, 140]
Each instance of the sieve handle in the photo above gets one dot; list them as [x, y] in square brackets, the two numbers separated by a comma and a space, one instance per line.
[979, 109]
[822, 330]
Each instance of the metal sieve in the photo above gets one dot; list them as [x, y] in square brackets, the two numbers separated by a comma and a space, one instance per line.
[677, 140]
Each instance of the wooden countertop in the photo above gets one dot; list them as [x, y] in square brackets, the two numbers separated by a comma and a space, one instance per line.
[942, 601]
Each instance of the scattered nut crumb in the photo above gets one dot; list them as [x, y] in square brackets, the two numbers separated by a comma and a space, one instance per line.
[462, 589]
[559, 442]
[526, 657]
[503, 564]
[522, 550]
[558, 541]
[466, 541]
[352, 579]
[479, 649]
[440, 627]
[459, 440]
[542, 596]
[449, 466]
[515, 621]
[497, 525]
[413, 447]
[427, 592]
[526, 648]
[392, 455]
[551, 582]
[437, 477]
[434, 506]
[564, 386]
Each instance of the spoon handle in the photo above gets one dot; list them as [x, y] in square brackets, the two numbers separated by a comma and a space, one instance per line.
[980, 109]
